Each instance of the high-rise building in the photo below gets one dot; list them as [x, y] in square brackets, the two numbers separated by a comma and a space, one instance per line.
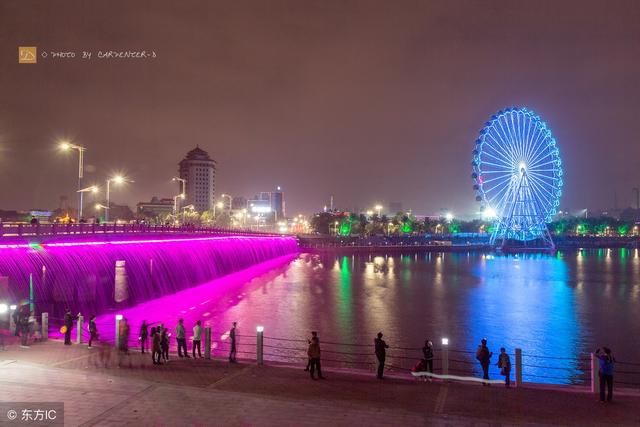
[199, 172]
[269, 202]
[277, 203]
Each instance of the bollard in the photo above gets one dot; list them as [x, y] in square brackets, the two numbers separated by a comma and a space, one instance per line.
[518, 367]
[259, 344]
[207, 342]
[445, 356]
[116, 342]
[595, 374]
[80, 321]
[45, 326]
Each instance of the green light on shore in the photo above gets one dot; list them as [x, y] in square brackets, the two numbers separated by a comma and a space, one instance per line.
[407, 227]
[623, 229]
[345, 227]
[35, 246]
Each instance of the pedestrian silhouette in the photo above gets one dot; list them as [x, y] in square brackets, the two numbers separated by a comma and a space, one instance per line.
[313, 334]
[484, 357]
[181, 339]
[504, 363]
[427, 352]
[606, 359]
[314, 356]
[232, 350]
[381, 353]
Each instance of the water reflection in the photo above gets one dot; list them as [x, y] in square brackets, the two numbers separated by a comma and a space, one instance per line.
[560, 307]
[526, 302]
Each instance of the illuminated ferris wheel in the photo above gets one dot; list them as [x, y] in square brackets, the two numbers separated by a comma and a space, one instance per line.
[517, 175]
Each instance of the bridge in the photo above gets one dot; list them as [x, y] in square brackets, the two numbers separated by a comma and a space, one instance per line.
[98, 267]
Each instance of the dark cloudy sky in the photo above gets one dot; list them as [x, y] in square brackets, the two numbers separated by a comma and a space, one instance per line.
[371, 101]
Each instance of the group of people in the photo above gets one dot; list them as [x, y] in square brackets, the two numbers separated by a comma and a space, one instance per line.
[159, 336]
[160, 349]
[483, 355]
[160, 341]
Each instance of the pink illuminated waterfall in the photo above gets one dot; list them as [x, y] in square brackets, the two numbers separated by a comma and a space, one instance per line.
[96, 276]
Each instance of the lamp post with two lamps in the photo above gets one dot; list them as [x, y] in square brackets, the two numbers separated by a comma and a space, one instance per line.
[66, 146]
[118, 179]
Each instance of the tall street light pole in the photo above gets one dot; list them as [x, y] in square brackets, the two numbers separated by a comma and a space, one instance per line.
[65, 145]
[226, 195]
[118, 179]
[183, 187]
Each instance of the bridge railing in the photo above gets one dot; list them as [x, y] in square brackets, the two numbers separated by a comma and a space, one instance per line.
[37, 230]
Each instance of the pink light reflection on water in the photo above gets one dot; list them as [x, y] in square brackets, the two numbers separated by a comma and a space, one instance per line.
[207, 302]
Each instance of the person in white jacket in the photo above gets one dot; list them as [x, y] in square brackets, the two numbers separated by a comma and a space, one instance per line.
[197, 333]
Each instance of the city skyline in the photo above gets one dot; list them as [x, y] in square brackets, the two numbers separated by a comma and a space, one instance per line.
[375, 110]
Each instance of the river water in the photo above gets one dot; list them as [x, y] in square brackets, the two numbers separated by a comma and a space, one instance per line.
[557, 309]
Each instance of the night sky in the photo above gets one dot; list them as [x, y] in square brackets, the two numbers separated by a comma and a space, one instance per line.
[369, 101]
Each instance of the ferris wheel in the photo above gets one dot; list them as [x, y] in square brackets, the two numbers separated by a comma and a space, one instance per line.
[517, 175]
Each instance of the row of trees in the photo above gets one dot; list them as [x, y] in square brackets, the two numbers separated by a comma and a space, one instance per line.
[339, 223]
[222, 220]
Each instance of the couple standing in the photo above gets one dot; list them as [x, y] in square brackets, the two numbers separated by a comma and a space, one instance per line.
[313, 352]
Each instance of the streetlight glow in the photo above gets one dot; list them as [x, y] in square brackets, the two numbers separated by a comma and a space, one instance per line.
[66, 146]
[448, 216]
[489, 213]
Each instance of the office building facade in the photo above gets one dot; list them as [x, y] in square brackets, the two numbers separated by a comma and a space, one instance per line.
[198, 170]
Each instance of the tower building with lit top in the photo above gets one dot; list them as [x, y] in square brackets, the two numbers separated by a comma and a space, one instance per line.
[198, 170]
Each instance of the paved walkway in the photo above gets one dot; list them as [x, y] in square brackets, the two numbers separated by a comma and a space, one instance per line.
[100, 388]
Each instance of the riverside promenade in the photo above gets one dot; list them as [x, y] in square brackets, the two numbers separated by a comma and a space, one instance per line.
[101, 388]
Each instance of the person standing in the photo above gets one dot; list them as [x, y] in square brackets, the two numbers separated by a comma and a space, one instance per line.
[144, 335]
[504, 363]
[164, 343]
[197, 333]
[93, 330]
[313, 334]
[15, 316]
[314, 356]
[156, 349]
[124, 335]
[232, 337]
[484, 357]
[24, 326]
[181, 339]
[607, 361]
[68, 323]
[381, 353]
[427, 352]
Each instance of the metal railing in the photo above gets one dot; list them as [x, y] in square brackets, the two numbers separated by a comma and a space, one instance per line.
[461, 364]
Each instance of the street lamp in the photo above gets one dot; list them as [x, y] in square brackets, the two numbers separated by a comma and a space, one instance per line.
[184, 212]
[66, 146]
[118, 179]
[227, 195]
[448, 216]
[92, 189]
[379, 209]
[175, 203]
[218, 205]
[183, 183]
